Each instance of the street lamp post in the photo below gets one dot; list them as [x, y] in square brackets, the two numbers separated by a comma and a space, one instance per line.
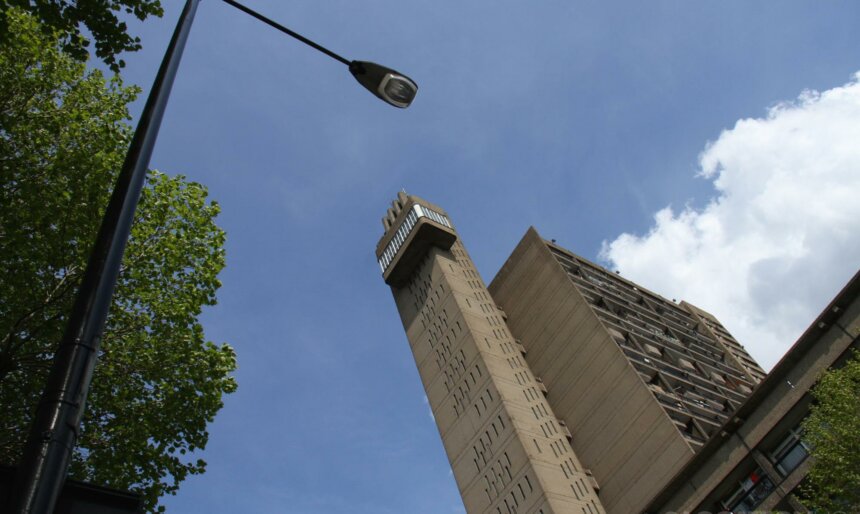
[54, 432]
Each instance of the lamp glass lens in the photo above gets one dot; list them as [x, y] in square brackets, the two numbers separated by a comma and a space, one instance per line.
[400, 90]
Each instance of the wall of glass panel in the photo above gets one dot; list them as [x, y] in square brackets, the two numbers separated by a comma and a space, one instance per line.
[416, 212]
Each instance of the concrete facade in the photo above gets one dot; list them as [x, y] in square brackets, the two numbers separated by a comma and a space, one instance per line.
[640, 381]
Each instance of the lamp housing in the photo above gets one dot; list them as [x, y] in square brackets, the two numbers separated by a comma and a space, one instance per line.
[390, 86]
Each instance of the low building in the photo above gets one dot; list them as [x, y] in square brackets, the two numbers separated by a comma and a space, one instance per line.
[758, 458]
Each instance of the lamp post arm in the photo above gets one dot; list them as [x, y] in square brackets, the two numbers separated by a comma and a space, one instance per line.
[287, 31]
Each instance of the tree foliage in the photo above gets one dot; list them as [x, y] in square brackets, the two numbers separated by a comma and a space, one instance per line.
[67, 18]
[158, 381]
[832, 431]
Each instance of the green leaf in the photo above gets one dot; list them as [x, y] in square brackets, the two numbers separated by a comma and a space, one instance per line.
[832, 430]
[158, 382]
[65, 19]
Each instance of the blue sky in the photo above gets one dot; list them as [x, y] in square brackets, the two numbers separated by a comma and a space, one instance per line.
[582, 118]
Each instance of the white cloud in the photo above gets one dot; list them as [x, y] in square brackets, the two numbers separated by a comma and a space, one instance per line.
[782, 235]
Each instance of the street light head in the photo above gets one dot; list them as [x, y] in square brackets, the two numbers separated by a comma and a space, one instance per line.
[392, 87]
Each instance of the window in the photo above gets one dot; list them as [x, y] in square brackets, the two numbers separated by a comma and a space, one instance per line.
[790, 453]
[684, 363]
[653, 350]
[749, 494]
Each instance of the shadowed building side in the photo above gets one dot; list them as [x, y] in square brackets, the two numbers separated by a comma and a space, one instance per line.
[508, 451]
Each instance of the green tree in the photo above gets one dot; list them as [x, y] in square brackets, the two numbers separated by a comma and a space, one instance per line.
[67, 18]
[832, 431]
[158, 381]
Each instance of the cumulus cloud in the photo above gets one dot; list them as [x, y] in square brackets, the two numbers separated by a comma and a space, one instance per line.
[782, 234]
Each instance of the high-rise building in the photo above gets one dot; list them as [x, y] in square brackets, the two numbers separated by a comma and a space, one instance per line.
[563, 388]
[642, 382]
[507, 449]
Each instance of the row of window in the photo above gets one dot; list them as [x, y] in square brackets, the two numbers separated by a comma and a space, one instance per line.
[750, 493]
[440, 328]
[757, 486]
[602, 278]
[790, 453]
[514, 503]
[462, 395]
[683, 363]
[440, 324]
[455, 370]
[483, 403]
[507, 497]
[668, 313]
[568, 467]
[511, 502]
[736, 349]
[416, 212]
[691, 399]
[655, 330]
[485, 452]
[420, 286]
[498, 476]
